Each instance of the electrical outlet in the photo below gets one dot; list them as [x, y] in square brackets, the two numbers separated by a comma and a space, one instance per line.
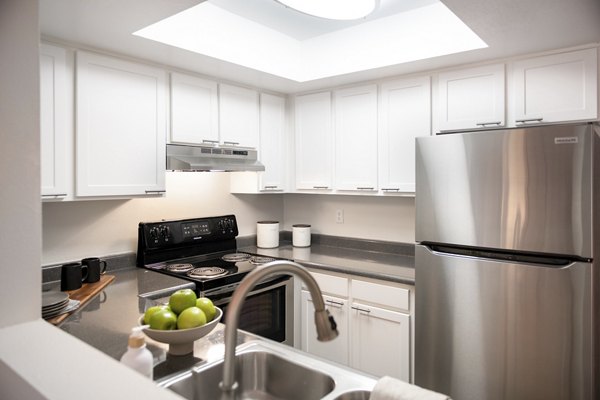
[339, 216]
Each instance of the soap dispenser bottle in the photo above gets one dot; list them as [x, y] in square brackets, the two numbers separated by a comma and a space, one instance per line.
[137, 355]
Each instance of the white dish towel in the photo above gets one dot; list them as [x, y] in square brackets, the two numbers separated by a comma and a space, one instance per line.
[388, 388]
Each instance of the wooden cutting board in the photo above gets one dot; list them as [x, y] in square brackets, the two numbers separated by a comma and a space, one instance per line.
[83, 294]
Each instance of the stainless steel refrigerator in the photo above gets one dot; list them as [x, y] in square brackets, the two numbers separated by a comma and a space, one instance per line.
[508, 263]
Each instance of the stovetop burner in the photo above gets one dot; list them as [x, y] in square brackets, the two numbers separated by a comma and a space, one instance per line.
[180, 267]
[236, 257]
[207, 272]
[258, 260]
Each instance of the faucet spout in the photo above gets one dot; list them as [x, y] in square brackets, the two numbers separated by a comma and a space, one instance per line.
[326, 327]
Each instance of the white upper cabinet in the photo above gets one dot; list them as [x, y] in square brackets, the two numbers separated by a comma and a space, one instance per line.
[194, 110]
[272, 147]
[356, 138]
[121, 127]
[554, 88]
[55, 126]
[238, 116]
[472, 98]
[404, 114]
[314, 141]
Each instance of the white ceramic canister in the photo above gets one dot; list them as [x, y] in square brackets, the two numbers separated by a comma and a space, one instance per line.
[267, 234]
[301, 235]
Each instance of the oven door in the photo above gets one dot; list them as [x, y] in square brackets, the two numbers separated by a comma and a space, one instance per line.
[267, 310]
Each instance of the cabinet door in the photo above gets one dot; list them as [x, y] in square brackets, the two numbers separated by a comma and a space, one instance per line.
[271, 150]
[380, 341]
[472, 98]
[194, 110]
[238, 116]
[314, 141]
[121, 127]
[335, 350]
[54, 122]
[404, 114]
[356, 138]
[560, 87]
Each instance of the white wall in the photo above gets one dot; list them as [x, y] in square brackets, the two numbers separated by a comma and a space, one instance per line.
[74, 230]
[20, 208]
[377, 218]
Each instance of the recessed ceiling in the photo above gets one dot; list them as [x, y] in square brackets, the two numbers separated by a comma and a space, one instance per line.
[428, 29]
[509, 27]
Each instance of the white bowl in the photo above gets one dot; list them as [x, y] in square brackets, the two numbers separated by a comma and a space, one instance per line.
[181, 341]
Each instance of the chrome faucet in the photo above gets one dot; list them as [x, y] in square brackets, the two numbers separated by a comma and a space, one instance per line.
[326, 327]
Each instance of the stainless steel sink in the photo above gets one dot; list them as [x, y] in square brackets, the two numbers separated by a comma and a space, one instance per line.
[267, 370]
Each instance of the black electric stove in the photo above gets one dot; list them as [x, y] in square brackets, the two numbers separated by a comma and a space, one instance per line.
[202, 250]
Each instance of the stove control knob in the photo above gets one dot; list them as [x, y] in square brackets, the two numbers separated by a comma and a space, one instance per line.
[154, 233]
[165, 232]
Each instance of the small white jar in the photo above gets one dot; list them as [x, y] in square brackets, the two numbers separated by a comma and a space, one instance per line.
[267, 234]
[301, 235]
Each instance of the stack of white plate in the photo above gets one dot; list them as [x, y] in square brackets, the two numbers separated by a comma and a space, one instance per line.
[56, 303]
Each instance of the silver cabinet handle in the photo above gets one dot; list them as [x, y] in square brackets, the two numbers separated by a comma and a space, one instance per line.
[336, 304]
[210, 141]
[390, 189]
[230, 143]
[320, 187]
[365, 310]
[365, 188]
[155, 191]
[271, 187]
[526, 120]
[498, 123]
[55, 195]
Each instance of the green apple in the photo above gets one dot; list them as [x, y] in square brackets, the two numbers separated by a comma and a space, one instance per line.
[164, 320]
[207, 306]
[150, 312]
[191, 317]
[182, 299]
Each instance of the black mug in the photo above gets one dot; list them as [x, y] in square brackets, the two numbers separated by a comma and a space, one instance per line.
[95, 268]
[72, 275]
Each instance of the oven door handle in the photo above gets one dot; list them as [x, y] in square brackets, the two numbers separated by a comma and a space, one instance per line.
[231, 289]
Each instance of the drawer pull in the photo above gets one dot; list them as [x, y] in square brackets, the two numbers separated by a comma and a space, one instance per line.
[155, 191]
[225, 143]
[526, 120]
[320, 187]
[54, 195]
[365, 310]
[336, 304]
[213, 142]
[365, 188]
[390, 189]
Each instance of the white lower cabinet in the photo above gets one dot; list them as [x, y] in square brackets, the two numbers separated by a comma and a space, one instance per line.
[380, 341]
[374, 322]
[335, 350]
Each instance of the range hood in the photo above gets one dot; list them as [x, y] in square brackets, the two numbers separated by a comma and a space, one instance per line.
[212, 158]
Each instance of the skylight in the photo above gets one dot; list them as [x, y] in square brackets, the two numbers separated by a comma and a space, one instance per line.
[333, 9]
[423, 32]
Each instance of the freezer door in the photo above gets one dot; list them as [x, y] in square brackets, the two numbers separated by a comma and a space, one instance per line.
[490, 330]
[527, 189]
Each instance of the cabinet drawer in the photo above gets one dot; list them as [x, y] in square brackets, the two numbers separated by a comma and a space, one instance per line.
[381, 294]
[331, 284]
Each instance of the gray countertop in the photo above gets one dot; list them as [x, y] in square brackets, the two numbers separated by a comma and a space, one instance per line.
[106, 320]
[371, 264]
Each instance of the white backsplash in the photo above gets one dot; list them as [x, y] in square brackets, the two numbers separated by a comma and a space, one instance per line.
[94, 228]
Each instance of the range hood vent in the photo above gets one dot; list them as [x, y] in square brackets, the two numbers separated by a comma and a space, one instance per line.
[212, 158]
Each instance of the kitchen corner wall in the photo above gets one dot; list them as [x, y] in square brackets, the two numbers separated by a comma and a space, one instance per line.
[74, 230]
[378, 218]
